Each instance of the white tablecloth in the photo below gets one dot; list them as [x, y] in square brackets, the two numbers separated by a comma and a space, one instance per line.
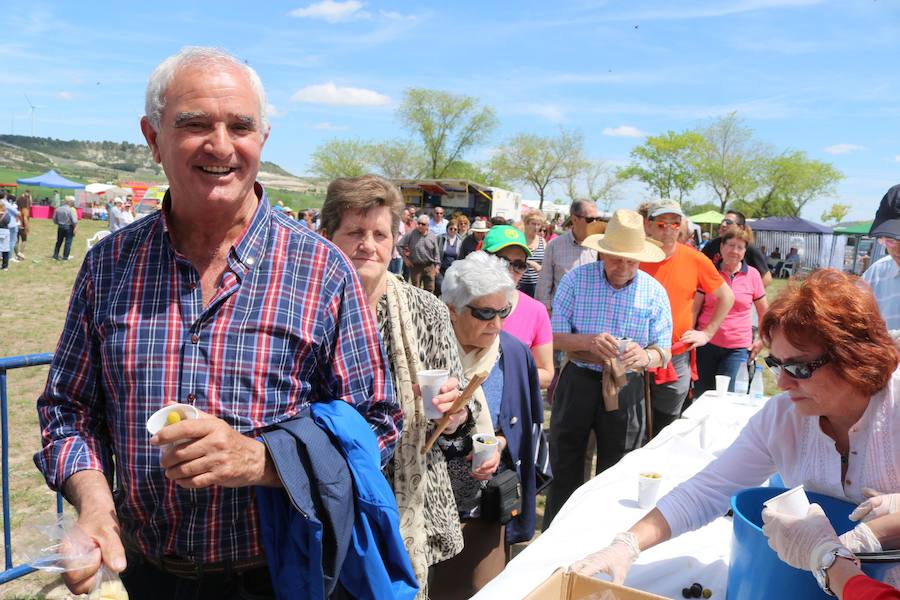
[607, 504]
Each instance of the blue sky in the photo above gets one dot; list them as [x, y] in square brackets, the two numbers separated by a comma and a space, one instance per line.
[813, 75]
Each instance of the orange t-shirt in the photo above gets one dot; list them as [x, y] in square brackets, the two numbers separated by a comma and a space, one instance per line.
[682, 274]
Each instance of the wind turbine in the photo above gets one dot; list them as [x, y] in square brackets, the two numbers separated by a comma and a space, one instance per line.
[32, 107]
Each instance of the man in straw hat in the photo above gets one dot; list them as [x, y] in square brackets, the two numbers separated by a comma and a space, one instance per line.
[475, 240]
[682, 272]
[613, 321]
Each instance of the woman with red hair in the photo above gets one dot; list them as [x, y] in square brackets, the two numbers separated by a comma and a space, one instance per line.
[835, 429]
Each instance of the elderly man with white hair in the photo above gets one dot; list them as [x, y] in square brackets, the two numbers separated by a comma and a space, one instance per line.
[220, 303]
[422, 253]
[478, 291]
[614, 322]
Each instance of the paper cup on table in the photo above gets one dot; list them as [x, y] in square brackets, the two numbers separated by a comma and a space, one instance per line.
[722, 384]
[792, 502]
[430, 383]
[483, 447]
[648, 489]
[161, 418]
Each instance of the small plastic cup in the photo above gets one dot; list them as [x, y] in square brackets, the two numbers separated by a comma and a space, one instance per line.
[792, 502]
[430, 383]
[159, 419]
[623, 345]
[483, 446]
[722, 384]
[648, 489]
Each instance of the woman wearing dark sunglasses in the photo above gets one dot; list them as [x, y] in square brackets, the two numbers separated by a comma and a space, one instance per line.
[835, 429]
[479, 292]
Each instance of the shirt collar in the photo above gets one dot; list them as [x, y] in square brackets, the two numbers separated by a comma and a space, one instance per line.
[248, 249]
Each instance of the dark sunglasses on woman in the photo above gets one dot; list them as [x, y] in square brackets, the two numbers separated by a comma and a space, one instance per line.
[519, 266]
[488, 314]
[797, 370]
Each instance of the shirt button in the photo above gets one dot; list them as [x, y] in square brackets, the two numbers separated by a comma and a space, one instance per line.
[514, 420]
[191, 397]
[848, 482]
[195, 338]
[250, 261]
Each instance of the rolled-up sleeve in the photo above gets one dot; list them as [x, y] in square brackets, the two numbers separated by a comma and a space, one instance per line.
[71, 410]
[357, 370]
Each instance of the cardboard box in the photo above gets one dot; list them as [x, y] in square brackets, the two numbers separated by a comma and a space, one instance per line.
[565, 585]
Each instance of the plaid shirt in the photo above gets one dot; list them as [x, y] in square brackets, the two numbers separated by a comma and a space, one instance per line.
[586, 303]
[561, 255]
[289, 325]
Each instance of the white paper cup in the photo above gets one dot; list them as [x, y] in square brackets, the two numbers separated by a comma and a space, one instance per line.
[648, 489]
[792, 502]
[722, 384]
[623, 345]
[158, 420]
[483, 447]
[430, 383]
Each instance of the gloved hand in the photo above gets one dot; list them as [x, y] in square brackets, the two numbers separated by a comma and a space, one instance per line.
[877, 505]
[616, 559]
[861, 539]
[801, 542]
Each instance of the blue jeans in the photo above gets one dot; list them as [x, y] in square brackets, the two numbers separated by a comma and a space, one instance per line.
[714, 360]
[396, 266]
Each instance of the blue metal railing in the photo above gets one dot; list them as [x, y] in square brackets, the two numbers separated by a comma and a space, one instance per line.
[7, 364]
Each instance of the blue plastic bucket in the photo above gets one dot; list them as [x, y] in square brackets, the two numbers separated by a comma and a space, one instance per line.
[756, 571]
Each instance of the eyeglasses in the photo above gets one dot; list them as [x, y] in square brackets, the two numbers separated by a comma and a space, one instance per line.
[519, 266]
[588, 219]
[797, 370]
[888, 242]
[488, 314]
[664, 225]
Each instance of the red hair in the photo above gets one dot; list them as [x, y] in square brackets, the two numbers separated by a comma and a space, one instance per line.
[836, 311]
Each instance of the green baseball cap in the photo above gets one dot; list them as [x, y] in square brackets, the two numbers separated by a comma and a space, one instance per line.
[501, 236]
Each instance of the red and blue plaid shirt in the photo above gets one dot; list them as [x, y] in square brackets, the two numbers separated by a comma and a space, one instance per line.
[289, 325]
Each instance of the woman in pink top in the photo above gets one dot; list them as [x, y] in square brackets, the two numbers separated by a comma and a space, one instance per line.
[733, 344]
[528, 321]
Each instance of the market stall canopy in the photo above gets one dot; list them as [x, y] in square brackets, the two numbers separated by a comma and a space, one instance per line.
[861, 228]
[98, 188]
[789, 224]
[711, 216]
[51, 179]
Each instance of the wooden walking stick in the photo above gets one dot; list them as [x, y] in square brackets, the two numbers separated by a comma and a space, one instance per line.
[476, 381]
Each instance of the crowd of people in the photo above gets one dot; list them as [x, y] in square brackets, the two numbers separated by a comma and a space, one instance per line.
[275, 328]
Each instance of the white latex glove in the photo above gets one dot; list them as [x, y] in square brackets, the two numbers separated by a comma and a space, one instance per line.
[615, 560]
[877, 505]
[861, 539]
[801, 542]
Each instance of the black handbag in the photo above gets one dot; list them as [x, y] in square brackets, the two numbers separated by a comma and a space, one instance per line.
[543, 476]
[501, 498]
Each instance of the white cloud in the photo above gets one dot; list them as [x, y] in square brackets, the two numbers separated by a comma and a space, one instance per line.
[552, 112]
[897, 158]
[332, 11]
[332, 95]
[272, 111]
[66, 96]
[326, 126]
[843, 148]
[624, 131]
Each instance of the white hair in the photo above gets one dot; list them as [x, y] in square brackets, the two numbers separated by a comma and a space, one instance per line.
[477, 275]
[162, 75]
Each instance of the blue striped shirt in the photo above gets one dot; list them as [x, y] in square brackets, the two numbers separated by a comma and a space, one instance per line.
[884, 278]
[289, 325]
[586, 303]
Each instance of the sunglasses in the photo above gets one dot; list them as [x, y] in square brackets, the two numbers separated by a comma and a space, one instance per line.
[798, 370]
[519, 266]
[664, 225]
[587, 219]
[451, 229]
[488, 314]
[728, 222]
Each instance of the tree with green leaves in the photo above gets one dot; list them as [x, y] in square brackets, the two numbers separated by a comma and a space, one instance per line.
[790, 180]
[448, 125]
[837, 213]
[397, 159]
[666, 163]
[340, 158]
[596, 180]
[729, 161]
[540, 161]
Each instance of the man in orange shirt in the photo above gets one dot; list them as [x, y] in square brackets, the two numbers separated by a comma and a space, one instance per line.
[682, 273]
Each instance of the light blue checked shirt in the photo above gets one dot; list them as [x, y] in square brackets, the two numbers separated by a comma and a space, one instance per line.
[586, 303]
[884, 278]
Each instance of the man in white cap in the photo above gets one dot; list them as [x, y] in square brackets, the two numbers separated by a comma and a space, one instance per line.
[115, 215]
[613, 321]
[683, 271]
[475, 239]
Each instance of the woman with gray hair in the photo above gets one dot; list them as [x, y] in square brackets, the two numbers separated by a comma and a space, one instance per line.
[479, 291]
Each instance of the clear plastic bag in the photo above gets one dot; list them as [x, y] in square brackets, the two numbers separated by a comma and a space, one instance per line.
[57, 544]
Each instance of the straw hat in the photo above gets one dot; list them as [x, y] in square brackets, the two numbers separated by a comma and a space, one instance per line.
[479, 225]
[625, 238]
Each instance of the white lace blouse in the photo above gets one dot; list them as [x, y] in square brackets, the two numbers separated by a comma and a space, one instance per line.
[777, 439]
